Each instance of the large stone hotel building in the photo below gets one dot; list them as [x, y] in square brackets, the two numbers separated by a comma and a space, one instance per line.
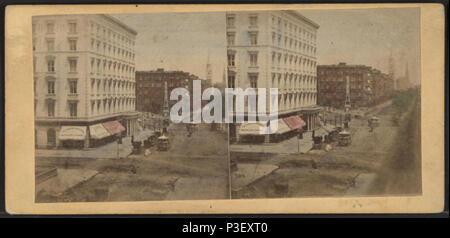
[274, 49]
[84, 76]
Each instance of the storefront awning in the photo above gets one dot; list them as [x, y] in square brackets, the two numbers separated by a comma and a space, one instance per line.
[98, 131]
[113, 127]
[250, 128]
[282, 126]
[254, 128]
[72, 133]
[294, 122]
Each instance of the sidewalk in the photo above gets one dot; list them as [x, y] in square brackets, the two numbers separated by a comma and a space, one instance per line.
[290, 146]
[66, 179]
[108, 151]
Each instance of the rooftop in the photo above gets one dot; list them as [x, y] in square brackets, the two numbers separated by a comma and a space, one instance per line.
[343, 64]
[118, 22]
[301, 17]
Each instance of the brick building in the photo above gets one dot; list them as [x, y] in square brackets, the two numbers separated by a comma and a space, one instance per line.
[150, 88]
[368, 86]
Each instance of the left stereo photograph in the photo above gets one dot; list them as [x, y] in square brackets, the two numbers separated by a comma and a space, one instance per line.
[103, 93]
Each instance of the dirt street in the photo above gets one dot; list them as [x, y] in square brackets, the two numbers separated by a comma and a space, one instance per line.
[189, 170]
[383, 162]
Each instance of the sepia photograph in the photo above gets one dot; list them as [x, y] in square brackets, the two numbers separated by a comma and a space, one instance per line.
[348, 102]
[102, 89]
[224, 109]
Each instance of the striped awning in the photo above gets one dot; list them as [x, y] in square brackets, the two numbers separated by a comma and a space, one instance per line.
[113, 127]
[282, 126]
[98, 131]
[294, 122]
[254, 128]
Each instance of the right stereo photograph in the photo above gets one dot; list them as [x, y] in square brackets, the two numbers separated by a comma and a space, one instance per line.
[347, 100]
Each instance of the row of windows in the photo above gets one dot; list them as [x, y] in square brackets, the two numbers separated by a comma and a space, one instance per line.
[113, 36]
[169, 84]
[253, 38]
[97, 106]
[231, 20]
[289, 27]
[293, 81]
[286, 101]
[252, 78]
[50, 44]
[108, 66]
[50, 25]
[111, 50]
[112, 67]
[109, 85]
[72, 82]
[252, 57]
[351, 73]
[293, 44]
[289, 101]
[278, 58]
[292, 28]
[333, 87]
[51, 62]
[106, 106]
[72, 106]
[289, 43]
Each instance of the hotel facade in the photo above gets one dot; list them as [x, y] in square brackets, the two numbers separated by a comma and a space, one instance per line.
[84, 80]
[274, 49]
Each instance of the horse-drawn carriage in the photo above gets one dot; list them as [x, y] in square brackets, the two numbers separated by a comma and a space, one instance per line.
[344, 138]
[163, 143]
[144, 140]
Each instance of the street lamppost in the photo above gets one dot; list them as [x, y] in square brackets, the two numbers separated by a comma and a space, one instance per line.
[119, 141]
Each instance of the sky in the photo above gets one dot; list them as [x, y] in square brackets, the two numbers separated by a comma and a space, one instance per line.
[179, 41]
[368, 36]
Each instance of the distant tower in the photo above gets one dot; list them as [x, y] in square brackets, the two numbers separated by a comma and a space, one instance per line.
[392, 71]
[208, 71]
